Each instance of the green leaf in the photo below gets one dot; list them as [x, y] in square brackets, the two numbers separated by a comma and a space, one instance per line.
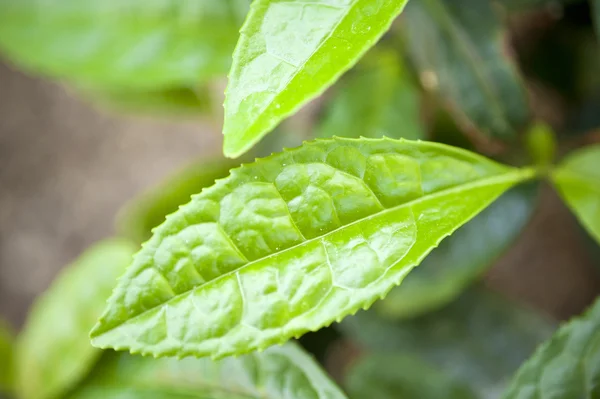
[6, 358]
[292, 242]
[137, 44]
[53, 351]
[401, 377]
[138, 217]
[458, 48]
[565, 367]
[541, 143]
[462, 258]
[278, 372]
[480, 339]
[377, 98]
[577, 179]
[289, 52]
[595, 5]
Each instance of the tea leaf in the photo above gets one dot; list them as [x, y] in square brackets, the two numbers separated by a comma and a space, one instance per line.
[565, 367]
[292, 242]
[458, 49]
[278, 372]
[53, 351]
[289, 52]
[6, 358]
[577, 179]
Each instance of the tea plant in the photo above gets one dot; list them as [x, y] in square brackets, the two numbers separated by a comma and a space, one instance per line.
[365, 214]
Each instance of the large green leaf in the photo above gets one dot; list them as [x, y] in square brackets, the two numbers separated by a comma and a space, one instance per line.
[480, 339]
[463, 257]
[402, 377]
[292, 242]
[6, 358]
[122, 43]
[53, 351]
[289, 52]
[377, 98]
[277, 373]
[457, 47]
[565, 367]
[577, 179]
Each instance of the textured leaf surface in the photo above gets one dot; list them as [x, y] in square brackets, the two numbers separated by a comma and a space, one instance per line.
[577, 179]
[480, 339]
[285, 372]
[54, 351]
[565, 367]
[137, 219]
[292, 242]
[132, 43]
[462, 257]
[458, 49]
[6, 358]
[402, 377]
[377, 98]
[291, 51]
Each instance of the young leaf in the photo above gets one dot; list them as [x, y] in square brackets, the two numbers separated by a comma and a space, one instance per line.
[565, 367]
[577, 179]
[375, 99]
[278, 372]
[289, 52]
[457, 46]
[53, 351]
[292, 242]
[463, 257]
[402, 377]
[481, 339]
[6, 358]
[138, 44]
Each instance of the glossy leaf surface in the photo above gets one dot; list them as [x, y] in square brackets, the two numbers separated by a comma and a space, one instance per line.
[375, 99]
[458, 49]
[54, 352]
[6, 358]
[277, 373]
[577, 179]
[133, 43]
[402, 377]
[289, 52]
[463, 257]
[480, 339]
[565, 367]
[292, 242]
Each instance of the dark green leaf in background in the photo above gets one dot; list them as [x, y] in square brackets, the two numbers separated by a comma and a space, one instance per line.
[565, 367]
[595, 8]
[278, 373]
[122, 43]
[53, 350]
[402, 377]
[480, 339]
[463, 257]
[377, 98]
[458, 48]
[6, 358]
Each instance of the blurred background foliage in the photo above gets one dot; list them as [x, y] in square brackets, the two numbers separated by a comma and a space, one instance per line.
[516, 80]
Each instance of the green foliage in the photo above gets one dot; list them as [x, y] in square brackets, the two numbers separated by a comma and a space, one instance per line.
[481, 339]
[402, 377]
[6, 358]
[458, 50]
[253, 259]
[463, 257]
[595, 4]
[134, 44]
[278, 372]
[53, 351]
[377, 98]
[288, 53]
[541, 143]
[577, 179]
[565, 367]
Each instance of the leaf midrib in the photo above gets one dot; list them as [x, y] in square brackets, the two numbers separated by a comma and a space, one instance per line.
[515, 174]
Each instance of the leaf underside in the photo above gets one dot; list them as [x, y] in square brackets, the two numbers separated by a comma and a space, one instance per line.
[565, 367]
[292, 242]
[577, 179]
[288, 53]
[278, 372]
